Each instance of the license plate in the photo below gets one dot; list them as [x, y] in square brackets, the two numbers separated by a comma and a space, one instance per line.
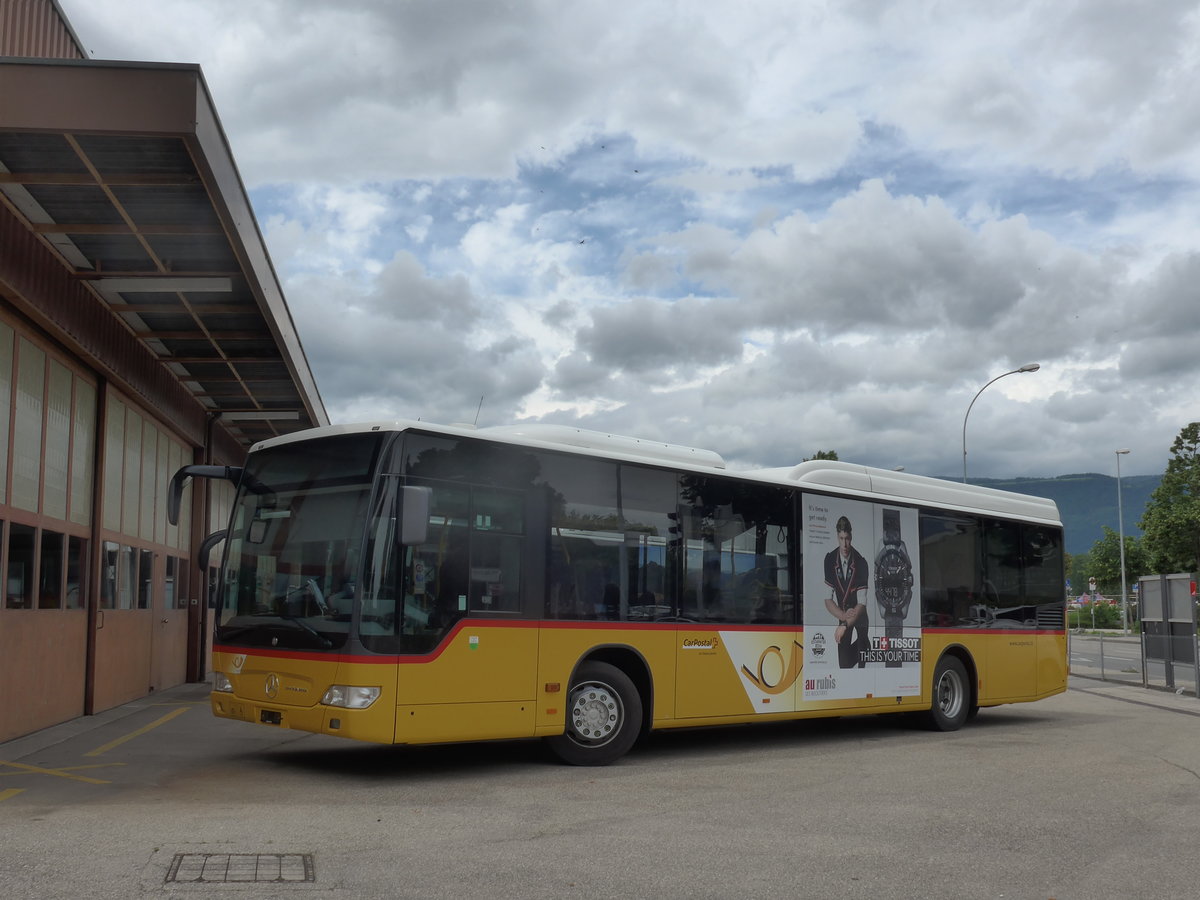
[271, 717]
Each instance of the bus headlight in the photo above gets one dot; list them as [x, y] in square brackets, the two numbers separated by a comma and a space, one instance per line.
[222, 683]
[349, 697]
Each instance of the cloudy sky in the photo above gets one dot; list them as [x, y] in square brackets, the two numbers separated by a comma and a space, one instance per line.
[763, 228]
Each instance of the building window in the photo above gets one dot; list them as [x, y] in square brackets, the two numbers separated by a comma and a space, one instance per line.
[145, 582]
[169, 584]
[20, 566]
[76, 572]
[50, 578]
[6, 379]
[139, 461]
[27, 436]
[56, 462]
[114, 454]
[176, 584]
[130, 505]
[47, 414]
[108, 576]
[126, 577]
[82, 440]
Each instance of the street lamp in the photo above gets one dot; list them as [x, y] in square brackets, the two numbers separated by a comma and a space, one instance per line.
[1121, 536]
[1030, 367]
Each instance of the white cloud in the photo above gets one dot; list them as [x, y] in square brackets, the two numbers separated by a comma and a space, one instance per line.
[767, 227]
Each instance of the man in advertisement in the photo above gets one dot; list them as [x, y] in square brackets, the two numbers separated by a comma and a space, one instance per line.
[846, 575]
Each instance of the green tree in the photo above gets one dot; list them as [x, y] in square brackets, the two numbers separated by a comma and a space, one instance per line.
[822, 454]
[1104, 561]
[1079, 570]
[1171, 523]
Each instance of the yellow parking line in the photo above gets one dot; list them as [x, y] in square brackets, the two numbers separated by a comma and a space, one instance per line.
[59, 770]
[11, 792]
[119, 741]
[92, 766]
[61, 773]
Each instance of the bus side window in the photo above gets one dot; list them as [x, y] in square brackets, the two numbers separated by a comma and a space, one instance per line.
[497, 537]
[739, 551]
[585, 537]
[1042, 565]
[646, 585]
[1003, 596]
[951, 553]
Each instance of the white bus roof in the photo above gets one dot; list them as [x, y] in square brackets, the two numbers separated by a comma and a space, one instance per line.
[818, 474]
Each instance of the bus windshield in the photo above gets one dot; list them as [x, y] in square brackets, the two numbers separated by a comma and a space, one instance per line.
[294, 544]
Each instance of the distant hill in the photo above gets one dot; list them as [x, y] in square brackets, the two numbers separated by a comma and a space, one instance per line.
[1086, 502]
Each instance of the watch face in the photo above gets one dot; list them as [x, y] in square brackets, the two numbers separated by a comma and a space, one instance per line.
[893, 581]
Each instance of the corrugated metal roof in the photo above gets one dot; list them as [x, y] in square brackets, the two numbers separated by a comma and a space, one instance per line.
[152, 217]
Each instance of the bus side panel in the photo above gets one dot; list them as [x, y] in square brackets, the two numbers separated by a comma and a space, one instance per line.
[435, 723]
[733, 675]
[1052, 663]
[1012, 666]
[480, 660]
[491, 663]
[564, 645]
[736, 672]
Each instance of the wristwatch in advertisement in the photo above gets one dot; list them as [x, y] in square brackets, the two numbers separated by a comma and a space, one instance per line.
[893, 579]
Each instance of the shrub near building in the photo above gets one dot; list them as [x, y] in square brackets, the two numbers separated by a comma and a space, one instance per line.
[1103, 613]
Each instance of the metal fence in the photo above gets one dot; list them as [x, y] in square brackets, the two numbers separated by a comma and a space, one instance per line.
[1113, 656]
[1161, 653]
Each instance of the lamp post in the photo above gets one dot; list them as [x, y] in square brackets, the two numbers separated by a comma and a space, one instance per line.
[1030, 367]
[1121, 537]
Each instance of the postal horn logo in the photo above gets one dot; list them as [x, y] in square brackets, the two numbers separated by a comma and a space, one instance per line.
[788, 667]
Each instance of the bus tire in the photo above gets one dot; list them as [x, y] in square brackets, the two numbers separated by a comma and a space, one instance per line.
[604, 717]
[951, 696]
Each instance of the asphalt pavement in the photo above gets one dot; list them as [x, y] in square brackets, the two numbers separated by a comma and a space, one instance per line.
[1091, 794]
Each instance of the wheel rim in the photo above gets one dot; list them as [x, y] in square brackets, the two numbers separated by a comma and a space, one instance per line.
[950, 694]
[595, 715]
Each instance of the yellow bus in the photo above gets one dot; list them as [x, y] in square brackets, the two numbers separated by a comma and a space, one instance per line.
[411, 583]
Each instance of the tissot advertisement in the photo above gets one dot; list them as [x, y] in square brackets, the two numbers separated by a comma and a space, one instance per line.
[862, 609]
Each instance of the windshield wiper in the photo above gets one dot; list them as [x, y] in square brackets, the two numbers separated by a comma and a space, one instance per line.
[325, 642]
[231, 632]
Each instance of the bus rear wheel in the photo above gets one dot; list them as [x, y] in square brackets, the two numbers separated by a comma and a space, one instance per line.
[604, 716]
[951, 695]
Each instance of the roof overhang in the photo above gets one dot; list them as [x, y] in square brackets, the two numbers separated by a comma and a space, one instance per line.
[122, 172]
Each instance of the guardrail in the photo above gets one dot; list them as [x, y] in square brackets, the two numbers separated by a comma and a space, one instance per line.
[1119, 657]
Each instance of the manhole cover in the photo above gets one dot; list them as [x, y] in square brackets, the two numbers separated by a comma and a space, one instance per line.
[228, 868]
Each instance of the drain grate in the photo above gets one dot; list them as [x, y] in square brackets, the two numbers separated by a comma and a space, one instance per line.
[234, 868]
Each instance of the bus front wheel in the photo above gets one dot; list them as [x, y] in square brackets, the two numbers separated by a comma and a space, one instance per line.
[951, 695]
[604, 716]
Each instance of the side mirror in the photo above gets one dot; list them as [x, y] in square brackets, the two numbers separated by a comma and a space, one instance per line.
[414, 514]
[229, 473]
[206, 546]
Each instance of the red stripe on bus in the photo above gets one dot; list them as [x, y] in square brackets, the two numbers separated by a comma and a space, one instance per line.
[415, 658]
[1025, 631]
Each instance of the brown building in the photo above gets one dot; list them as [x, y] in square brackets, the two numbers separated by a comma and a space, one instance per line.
[142, 328]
